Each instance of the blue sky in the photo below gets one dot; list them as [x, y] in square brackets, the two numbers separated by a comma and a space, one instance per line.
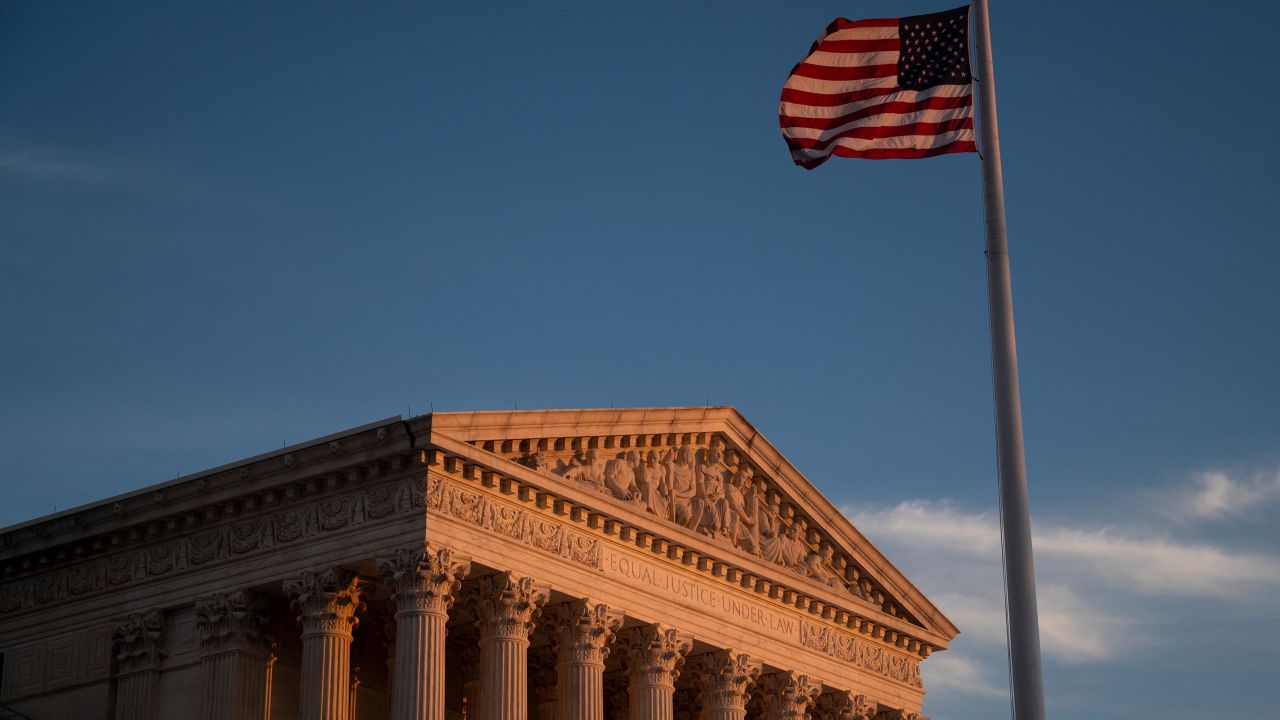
[229, 227]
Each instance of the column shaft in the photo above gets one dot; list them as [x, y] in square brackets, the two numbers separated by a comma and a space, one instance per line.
[326, 677]
[651, 702]
[507, 611]
[135, 695]
[419, 666]
[237, 686]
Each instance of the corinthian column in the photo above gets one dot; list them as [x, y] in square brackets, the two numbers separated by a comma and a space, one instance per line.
[727, 678]
[789, 695]
[508, 609]
[423, 582]
[654, 656]
[583, 631]
[138, 655]
[845, 705]
[326, 602]
[237, 658]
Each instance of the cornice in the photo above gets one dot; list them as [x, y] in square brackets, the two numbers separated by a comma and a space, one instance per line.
[207, 498]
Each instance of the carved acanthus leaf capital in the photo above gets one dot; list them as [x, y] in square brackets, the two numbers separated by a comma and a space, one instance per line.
[584, 630]
[509, 605]
[233, 621]
[327, 600]
[139, 641]
[846, 705]
[424, 579]
[788, 695]
[886, 713]
[727, 677]
[655, 654]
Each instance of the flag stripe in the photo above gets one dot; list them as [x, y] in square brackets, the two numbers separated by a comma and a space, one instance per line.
[846, 98]
[827, 72]
[801, 111]
[799, 125]
[878, 132]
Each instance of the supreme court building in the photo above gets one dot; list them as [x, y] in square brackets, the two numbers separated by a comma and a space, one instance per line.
[562, 564]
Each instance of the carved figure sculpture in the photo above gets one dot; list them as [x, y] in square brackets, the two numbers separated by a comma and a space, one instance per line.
[710, 495]
[684, 488]
[743, 505]
[651, 478]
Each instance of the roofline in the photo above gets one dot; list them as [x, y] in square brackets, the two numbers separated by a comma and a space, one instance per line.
[203, 473]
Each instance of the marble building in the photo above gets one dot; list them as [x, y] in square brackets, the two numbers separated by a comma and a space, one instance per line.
[554, 565]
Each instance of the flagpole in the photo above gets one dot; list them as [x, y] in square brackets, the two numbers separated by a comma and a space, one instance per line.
[1015, 518]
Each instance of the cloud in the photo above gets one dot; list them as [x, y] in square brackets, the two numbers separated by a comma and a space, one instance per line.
[1155, 564]
[1217, 495]
[41, 164]
[963, 674]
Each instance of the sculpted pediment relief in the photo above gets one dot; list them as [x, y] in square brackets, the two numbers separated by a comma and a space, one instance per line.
[700, 477]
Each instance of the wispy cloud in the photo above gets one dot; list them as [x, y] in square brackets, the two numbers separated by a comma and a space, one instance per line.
[33, 163]
[1218, 495]
[963, 674]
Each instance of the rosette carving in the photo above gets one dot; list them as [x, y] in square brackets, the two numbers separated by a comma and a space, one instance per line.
[788, 695]
[424, 579]
[584, 630]
[655, 654]
[326, 600]
[509, 605]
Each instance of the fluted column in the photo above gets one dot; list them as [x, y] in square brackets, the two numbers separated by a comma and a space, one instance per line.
[845, 705]
[423, 582]
[237, 656]
[327, 602]
[507, 610]
[727, 677]
[788, 695]
[655, 654]
[139, 643]
[583, 630]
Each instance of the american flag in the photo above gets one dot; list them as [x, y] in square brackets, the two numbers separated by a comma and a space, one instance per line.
[879, 89]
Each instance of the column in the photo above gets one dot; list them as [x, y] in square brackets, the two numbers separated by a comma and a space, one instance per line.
[845, 705]
[654, 656]
[237, 656]
[583, 630]
[423, 583]
[788, 695]
[727, 678]
[139, 643]
[507, 611]
[326, 601]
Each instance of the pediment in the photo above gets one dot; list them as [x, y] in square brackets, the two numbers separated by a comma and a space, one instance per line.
[707, 476]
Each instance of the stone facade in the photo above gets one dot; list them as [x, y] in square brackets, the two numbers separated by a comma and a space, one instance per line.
[557, 565]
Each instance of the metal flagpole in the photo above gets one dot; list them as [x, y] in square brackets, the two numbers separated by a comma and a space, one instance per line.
[1019, 570]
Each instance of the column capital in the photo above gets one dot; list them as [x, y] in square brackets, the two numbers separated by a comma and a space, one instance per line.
[235, 620]
[509, 605]
[584, 630]
[887, 713]
[139, 641]
[727, 677]
[788, 695]
[846, 705]
[424, 578]
[655, 654]
[326, 600]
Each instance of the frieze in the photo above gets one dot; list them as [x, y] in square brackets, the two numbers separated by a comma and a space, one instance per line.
[478, 508]
[843, 646]
[761, 619]
[214, 545]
